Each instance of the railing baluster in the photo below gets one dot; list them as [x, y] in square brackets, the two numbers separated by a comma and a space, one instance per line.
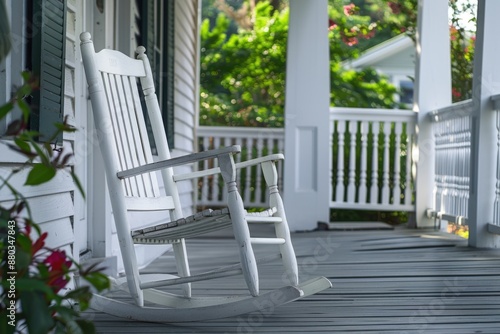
[438, 166]
[397, 161]
[351, 186]
[258, 181]
[339, 197]
[363, 166]
[330, 161]
[385, 171]
[374, 187]
[496, 213]
[248, 171]
[409, 147]
[215, 188]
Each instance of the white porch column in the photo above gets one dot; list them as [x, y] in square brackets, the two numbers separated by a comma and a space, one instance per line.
[307, 177]
[99, 203]
[432, 91]
[486, 82]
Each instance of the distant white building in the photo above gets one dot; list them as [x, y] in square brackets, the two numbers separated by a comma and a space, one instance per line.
[394, 58]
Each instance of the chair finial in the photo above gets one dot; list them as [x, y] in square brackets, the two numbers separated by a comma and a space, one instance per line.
[141, 50]
[85, 37]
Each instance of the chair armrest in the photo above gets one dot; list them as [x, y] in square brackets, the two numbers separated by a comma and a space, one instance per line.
[182, 160]
[252, 162]
[239, 165]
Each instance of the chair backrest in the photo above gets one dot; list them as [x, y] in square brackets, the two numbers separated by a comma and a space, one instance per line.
[120, 123]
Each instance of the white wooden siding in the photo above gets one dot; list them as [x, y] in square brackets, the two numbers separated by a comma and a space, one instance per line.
[51, 203]
[186, 89]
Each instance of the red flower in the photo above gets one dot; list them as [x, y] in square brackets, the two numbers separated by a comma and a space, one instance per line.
[39, 243]
[59, 267]
[350, 9]
[56, 260]
[57, 282]
[455, 93]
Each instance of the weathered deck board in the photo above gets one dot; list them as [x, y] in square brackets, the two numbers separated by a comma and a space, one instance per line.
[400, 281]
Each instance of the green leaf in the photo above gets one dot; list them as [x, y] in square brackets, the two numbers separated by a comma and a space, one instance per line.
[78, 293]
[4, 322]
[4, 109]
[78, 183]
[37, 313]
[26, 75]
[44, 157]
[40, 173]
[98, 280]
[23, 260]
[23, 146]
[33, 285]
[86, 326]
[25, 108]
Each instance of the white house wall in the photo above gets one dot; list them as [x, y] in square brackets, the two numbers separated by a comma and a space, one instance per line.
[51, 204]
[60, 209]
[185, 108]
[186, 89]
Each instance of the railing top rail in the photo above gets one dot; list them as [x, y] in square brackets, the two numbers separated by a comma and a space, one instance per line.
[241, 132]
[371, 114]
[456, 110]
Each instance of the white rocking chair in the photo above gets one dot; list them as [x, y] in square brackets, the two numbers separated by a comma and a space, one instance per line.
[132, 181]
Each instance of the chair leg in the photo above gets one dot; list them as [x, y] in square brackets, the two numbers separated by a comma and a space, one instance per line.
[282, 230]
[242, 236]
[181, 262]
[240, 226]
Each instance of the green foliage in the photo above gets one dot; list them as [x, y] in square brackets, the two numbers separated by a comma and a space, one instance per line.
[243, 76]
[402, 17]
[243, 73]
[462, 50]
[33, 276]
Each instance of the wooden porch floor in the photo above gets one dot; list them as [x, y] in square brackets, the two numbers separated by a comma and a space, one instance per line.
[401, 281]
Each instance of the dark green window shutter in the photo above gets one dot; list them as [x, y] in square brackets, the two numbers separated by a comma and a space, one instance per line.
[159, 43]
[168, 73]
[48, 63]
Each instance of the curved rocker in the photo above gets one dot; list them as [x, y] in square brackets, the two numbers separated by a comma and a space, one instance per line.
[184, 309]
[134, 180]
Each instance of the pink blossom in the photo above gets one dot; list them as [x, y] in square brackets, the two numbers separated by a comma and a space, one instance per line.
[395, 7]
[331, 24]
[350, 9]
[350, 41]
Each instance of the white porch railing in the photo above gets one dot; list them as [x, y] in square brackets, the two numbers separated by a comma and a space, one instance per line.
[255, 142]
[496, 214]
[452, 142]
[370, 160]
